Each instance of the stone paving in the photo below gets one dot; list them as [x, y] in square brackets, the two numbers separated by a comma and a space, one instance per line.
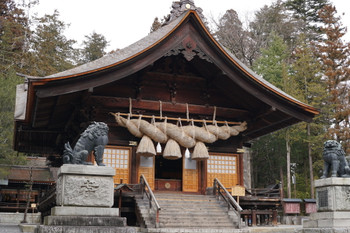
[8, 228]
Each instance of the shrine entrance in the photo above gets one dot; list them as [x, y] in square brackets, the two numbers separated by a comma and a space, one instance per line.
[168, 174]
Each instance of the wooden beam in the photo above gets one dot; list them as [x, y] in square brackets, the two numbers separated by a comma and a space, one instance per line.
[151, 105]
[247, 134]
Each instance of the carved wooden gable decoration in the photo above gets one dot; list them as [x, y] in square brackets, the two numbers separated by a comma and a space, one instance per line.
[180, 65]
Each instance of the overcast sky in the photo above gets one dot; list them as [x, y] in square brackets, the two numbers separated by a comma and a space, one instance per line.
[125, 22]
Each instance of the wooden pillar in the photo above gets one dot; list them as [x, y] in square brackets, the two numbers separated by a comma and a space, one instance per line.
[203, 177]
[253, 218]
[241, 169]
[133, 161]
[17, 199]
[274, 217]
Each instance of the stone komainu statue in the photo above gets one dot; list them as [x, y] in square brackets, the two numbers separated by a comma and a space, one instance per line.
[334, 157]
[94, 138]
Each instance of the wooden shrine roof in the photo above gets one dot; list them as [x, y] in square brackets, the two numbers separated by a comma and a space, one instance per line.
[40, 175]
[45, 105]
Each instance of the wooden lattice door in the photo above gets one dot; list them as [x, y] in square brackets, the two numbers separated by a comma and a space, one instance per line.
[190, 175]
[146, 167]
[224, 167]
[119, 158]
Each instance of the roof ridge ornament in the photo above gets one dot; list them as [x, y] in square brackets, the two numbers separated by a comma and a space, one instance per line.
[179, 7]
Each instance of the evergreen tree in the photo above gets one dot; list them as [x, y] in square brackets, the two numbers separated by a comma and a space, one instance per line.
[335, 58]
[306, 74]
[307, 12]
[94, 47]
[52, 52]
[272, 63]
[233, 36]
[275, 18]
[13, 31]
[8, 82]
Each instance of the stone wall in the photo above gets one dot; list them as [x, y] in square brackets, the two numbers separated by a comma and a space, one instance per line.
[17, 218]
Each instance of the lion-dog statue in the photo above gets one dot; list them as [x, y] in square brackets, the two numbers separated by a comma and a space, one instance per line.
[334, 157]
[94, 138]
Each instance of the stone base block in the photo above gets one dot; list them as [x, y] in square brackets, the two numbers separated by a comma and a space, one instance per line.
[326, 230]
[85, 229]
[332, 194]
[82, 185]
[328, 220]
[84, 221]
[84, 211]
[28, 228]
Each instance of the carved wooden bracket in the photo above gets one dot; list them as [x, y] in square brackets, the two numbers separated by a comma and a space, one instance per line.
[189, 49]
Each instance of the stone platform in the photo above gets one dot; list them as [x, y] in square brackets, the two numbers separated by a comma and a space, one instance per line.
[333, 206]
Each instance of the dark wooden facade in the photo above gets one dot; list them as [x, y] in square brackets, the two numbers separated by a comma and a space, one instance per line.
[175, 70]
[14, 189]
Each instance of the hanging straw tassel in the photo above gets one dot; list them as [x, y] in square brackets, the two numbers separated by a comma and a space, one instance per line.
[172, 150]
[200, 152]
[146, 147]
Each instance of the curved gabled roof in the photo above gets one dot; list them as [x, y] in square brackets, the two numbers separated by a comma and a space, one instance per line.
[122, 55]
[279, 110]
[153, 39]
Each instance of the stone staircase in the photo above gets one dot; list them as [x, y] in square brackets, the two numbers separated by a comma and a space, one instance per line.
[187, 213]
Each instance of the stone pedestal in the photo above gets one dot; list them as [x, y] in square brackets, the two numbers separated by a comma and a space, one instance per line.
[333, 206]
[79, 185]
[84, 197]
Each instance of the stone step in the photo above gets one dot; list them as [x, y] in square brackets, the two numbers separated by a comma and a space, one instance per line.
[182, 203]
[183, 211]
[195, 217]
[188, 209]
[188, 223]
[185, 197]
[194, 230]
[197, 221]
[86, 229]
[193, 213]
[190, 205]
[194, 226]
[85, 221]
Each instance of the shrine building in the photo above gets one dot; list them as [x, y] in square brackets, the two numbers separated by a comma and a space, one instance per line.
[178, 87]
